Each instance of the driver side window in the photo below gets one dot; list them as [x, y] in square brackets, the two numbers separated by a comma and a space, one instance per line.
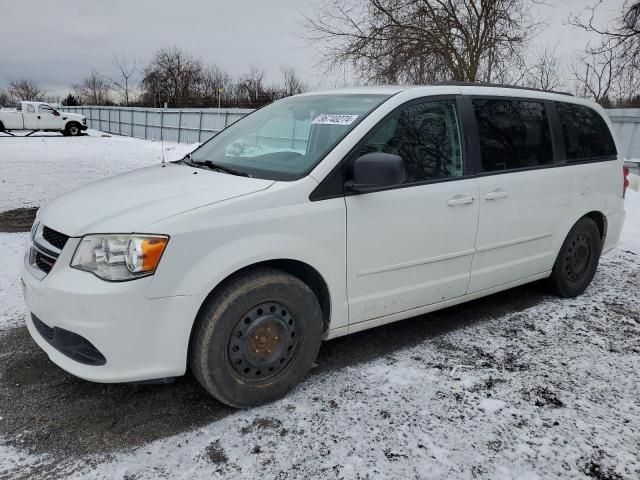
[45, 109]
[427, 137]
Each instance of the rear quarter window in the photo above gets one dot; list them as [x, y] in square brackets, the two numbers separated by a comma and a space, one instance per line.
[585, 133]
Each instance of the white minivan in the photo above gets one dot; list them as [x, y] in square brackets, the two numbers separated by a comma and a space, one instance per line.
[314, 217]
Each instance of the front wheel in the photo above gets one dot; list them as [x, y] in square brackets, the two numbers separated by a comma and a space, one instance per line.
[256, 338]
[577, 261]
[72, 129]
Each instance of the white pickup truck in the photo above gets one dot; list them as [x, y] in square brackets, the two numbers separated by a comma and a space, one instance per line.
[40, 116]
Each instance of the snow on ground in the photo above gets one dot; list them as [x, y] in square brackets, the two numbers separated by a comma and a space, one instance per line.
[550, 391]
[36, 169]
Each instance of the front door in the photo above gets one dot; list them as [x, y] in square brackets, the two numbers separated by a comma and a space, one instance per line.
[524, 194]
[412, 245]
[47, 120]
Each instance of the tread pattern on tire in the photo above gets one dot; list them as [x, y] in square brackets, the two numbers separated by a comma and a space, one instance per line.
[558, 282]
[218, 304]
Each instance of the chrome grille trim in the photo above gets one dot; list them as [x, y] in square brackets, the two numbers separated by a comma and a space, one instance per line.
[41, 254]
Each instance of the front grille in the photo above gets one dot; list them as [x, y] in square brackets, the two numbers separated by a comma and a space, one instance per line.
[44, 262]
[57, 239]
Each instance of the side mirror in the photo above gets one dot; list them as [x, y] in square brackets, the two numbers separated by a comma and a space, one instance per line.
[56, 113]
[376, 170]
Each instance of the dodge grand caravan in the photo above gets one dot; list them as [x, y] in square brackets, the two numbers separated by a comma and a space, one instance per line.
[320, 215]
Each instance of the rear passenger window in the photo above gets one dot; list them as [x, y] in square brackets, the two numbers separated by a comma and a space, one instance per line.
[426, 136]
[513, 134]
[586, 135]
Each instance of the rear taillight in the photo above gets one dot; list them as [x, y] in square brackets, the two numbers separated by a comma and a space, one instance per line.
[625, 180]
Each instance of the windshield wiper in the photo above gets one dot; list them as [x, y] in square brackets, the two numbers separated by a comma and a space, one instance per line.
[221, 168]
[213, 166]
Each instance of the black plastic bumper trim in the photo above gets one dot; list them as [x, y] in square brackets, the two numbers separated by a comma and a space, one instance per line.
[70, 344]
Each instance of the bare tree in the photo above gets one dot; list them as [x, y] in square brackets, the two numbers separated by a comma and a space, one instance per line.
[173, 76]
[544, 73]
[127, 70]
[610, 71]
[622, 35]
[217, 85]
[251, 84]
[421, 41]
[293, 84]
[5, 99]
[596, 74]
[25, 89]
[94, 90]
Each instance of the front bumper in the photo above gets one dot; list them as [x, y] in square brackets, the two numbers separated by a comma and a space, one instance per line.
[140, 338]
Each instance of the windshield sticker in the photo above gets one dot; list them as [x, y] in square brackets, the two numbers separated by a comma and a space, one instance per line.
[328, 119]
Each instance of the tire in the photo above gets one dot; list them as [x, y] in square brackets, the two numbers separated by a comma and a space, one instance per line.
[1, 127]
[577, 260]
[256, 338]
[72, 129]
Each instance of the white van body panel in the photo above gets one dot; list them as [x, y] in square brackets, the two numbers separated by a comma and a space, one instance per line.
[518, 227]
[409, 247]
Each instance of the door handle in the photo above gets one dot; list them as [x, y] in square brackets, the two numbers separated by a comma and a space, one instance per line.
[495, 194]
[459, 200]
[38, 117]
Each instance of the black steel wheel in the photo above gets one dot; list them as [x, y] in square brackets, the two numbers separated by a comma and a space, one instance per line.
[577, 260]
[263, 342]
[256, 338]
[578, 257]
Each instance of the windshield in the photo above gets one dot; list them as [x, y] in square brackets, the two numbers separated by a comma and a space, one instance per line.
[286, 139]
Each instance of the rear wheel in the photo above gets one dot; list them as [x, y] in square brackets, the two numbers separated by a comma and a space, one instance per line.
[72, 129]
[1, 127]
[256, 338]
[578, 259]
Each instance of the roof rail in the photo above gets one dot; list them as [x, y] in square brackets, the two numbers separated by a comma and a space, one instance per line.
[496, 85]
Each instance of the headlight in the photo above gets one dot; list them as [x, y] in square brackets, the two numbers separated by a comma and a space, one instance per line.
[119, 257]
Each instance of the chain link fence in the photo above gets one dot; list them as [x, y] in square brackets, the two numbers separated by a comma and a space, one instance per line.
[172, 124]
[626, 122]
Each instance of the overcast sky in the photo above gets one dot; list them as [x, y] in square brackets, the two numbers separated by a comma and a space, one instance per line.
[57, 43]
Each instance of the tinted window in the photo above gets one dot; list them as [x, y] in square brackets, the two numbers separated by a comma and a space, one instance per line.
[585, 132]
[426, 136]
[513, 134]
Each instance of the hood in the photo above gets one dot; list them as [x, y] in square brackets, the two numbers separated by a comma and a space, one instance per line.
[129, 201]
[71, 116]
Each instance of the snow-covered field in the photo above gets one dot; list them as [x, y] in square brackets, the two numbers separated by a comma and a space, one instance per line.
[34, 170]
[520, 385]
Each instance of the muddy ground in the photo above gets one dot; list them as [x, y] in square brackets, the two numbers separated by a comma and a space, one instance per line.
[17, 220]
[69, 417]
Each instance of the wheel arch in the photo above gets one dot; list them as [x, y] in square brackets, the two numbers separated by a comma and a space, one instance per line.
[600, 220]
[299, 269]
[71, 122]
